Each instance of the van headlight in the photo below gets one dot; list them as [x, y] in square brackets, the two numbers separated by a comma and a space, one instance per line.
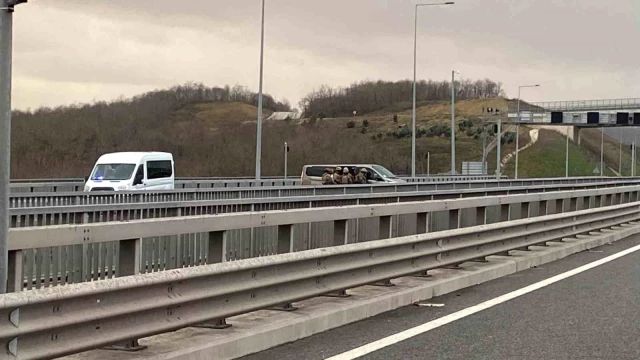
[87, 188]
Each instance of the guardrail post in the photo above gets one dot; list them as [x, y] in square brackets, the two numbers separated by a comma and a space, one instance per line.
[454, 219]
[542, 208]
[340, 237]
[385, 227]
[597, 202]
[573, 204]
[385, 232]
[217, 251]
[525, 207]
[504, 212]
[129, 257]
[285, 245]
[340, 232]
[481, 215]
[422, 223]
[586, 203]
[15, 277]
[559, 208]
[285, 239]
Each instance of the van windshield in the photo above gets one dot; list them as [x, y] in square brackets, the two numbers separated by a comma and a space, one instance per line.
[113, 172]
[384, 172]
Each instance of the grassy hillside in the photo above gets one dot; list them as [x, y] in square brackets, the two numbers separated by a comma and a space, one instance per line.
[591, 141]
[547, 159]
[212, 135]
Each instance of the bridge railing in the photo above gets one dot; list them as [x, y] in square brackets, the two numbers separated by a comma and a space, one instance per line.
[69, 319]
[90, 248]
[22, 200]
[21, 186]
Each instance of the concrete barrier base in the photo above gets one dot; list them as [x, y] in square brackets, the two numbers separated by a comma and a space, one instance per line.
[265, 329]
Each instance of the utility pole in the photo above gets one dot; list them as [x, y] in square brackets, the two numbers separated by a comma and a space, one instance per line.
[601, 151]
[6, 48]
[259, 129]
[286, 154]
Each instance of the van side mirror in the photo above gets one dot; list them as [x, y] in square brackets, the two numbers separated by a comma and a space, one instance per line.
[86, 178]
[378, 177]
[138, 180]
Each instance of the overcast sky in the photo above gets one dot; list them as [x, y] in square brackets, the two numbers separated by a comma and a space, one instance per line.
[76, 51]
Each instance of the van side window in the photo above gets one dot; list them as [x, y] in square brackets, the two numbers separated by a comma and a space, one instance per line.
[159, 169]
[316, 171]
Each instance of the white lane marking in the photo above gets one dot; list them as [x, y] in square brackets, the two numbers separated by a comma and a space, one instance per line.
[420, 329]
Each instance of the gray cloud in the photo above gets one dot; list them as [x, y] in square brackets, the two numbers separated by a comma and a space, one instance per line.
[91, 49]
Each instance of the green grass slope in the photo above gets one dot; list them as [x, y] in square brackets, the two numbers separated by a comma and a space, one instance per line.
[547, 159]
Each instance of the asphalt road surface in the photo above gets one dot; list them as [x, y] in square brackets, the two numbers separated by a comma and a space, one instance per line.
[594, 314]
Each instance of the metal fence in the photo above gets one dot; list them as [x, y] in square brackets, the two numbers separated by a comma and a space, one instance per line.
[65, 320]
[88, 247]
[101, 198]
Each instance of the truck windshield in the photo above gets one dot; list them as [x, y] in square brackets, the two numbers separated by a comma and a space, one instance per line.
[113, 171]
[384, 172]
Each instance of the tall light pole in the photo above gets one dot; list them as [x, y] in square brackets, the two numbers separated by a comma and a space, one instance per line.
[6, 47]
[601, 151]
[518, 125]
[415, 56]
[259, 130]
[566, 159]
[453, 121]
[620, 161]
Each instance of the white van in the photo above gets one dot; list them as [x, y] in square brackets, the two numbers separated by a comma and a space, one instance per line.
[126, 171]
[376, 174]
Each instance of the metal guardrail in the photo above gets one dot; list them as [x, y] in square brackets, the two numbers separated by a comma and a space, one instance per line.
[77, 185]
[44, 256]
[66, 320]
[82, 198]
[31, 216]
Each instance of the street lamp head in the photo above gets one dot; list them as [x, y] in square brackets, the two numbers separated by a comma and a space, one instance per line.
[456, 72]
[436, 4]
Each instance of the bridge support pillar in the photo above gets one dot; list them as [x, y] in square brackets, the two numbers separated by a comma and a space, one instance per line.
[217, 247]
[577, 138]
[129, 257]
[15, 277]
